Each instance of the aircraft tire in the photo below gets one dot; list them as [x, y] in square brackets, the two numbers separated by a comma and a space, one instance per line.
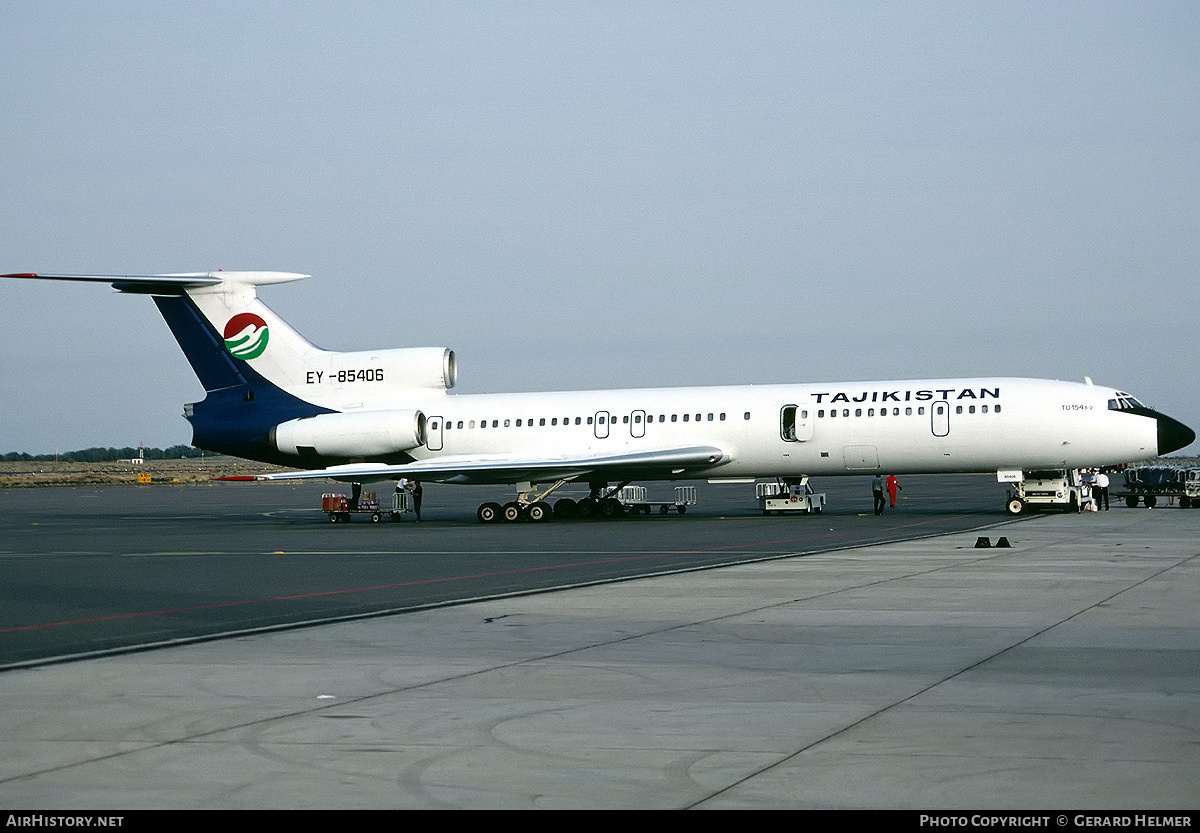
[539, 512]
[1015, 506]
[511, 512]
[564, 508]
[488, 513]
[611, 508]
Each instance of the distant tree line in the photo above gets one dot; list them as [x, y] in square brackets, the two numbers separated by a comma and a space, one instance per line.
[107, 455]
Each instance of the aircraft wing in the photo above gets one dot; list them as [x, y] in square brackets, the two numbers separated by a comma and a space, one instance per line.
[661, 464]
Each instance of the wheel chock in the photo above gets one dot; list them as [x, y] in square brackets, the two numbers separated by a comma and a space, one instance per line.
[982, 542]
[1003, 542]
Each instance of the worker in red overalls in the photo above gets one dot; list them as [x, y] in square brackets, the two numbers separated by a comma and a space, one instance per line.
[892, 484]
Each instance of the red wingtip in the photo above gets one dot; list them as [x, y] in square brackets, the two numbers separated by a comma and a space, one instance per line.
[20, 275]
[237, 477]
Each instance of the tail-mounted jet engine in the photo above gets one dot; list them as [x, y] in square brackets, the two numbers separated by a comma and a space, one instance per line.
[356, 436]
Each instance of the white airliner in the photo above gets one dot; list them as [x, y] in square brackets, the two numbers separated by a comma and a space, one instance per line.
[387, 414]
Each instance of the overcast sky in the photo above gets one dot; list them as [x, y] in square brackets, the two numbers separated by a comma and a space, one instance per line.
[597, 194]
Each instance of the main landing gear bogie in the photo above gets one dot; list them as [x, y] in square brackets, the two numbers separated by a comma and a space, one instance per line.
[568, 509]
[513, 512]
[541, 511]
[603, 508]
[533, 505]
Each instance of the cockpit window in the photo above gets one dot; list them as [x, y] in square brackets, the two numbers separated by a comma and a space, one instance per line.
[1123, 402]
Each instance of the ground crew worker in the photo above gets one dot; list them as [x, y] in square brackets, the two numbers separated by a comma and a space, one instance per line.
[892, 485]
[1100, 489]
[877, 493]
[414, 486]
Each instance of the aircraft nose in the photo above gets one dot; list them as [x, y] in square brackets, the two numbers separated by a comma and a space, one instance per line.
[1172, 434]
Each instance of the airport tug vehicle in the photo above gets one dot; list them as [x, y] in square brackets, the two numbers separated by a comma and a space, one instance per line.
[787, 495]
[1063, 489]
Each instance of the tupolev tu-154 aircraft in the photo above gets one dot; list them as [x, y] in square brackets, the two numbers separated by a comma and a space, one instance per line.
[374, 415]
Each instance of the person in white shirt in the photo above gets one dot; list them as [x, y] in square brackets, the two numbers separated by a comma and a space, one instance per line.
[1100, 489]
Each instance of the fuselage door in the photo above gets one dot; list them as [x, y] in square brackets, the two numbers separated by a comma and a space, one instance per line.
[861, 457]
[433, 433]
[795, 424]
[940, 414]
[804, 425]
[601, 424]
[637, 424]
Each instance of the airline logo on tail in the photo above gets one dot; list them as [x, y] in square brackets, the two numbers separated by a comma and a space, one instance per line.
[246, 336]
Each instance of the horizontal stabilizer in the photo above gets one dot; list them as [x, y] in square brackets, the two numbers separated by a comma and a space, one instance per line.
[172, 283]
